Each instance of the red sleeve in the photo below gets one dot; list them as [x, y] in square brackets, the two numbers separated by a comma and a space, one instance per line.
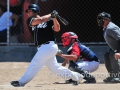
[75, 50]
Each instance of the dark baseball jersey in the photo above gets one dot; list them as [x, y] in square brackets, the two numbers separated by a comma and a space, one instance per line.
[43, 32]
[79, 49]
[112, 35]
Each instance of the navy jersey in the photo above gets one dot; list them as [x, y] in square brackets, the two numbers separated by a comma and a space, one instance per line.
[42, 32]
[81, 50]
[87, 53]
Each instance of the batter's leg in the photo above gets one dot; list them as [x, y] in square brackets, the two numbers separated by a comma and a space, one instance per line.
[59, 70]
[34, 67]
[43, 55]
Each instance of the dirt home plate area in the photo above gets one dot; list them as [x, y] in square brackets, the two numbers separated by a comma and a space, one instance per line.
[46, 80]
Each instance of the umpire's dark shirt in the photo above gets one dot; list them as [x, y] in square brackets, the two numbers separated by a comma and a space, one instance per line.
[112, 35]
[42, 32]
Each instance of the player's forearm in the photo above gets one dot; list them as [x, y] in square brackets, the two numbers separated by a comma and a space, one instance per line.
[66, 61]
[56, 25]
[15, 22]
[42, 19]
[68, 57]
[45, 18]
[15, 18]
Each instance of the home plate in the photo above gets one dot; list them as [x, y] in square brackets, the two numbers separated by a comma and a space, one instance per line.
[4, 85]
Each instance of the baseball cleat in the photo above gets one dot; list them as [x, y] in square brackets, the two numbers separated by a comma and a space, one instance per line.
[107, 80]
[92, 80]
[69, 81]
[75, 83]
[115, 80]
[15, 84]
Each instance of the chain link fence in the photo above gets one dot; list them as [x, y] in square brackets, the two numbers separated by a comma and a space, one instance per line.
[81, 15]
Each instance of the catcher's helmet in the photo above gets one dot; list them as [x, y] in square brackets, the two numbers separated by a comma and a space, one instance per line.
[34, 7]
[67, 36]
[102, 16]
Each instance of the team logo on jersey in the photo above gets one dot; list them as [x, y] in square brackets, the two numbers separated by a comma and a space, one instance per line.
[33, 28]
[42, 25]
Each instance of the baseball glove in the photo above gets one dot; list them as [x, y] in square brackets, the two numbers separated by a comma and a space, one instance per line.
[59, 52]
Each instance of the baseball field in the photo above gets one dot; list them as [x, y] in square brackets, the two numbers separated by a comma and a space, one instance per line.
[46, 80]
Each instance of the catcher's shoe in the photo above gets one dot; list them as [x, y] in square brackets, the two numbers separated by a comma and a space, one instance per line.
[75, 83]
[92, 80]
[69, 81]
[16, 84]
[115, 80]
[108, 79]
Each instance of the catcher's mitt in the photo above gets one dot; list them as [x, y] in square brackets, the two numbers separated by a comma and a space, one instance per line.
[59, 52]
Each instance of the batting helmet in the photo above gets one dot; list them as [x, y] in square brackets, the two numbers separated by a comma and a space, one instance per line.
[67, 36]
[102, 16]
[34, 7]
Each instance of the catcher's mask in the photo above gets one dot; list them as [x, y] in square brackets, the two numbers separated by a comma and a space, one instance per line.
[101, 17]
[67, 37]
[34, 7]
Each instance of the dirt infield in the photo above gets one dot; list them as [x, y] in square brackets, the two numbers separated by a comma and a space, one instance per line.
[46, 80]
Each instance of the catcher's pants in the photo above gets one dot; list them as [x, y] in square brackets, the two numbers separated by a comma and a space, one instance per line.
[46, 54]
[89, 66]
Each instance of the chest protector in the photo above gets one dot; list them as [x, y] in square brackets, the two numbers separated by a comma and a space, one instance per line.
[85, 52]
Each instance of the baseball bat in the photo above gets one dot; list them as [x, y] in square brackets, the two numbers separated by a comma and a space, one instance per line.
[63, 20]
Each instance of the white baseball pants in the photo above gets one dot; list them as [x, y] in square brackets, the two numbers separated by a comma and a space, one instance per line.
[89, 66]
[46, 54]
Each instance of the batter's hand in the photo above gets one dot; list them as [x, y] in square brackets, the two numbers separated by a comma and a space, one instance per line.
[117, 56]
[54, 14]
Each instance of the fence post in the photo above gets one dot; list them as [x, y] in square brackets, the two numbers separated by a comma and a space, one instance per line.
[8, 19]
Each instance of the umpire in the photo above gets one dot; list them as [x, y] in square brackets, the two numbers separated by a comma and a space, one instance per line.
[112, 38]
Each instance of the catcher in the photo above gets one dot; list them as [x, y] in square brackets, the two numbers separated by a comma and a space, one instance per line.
[81, 58]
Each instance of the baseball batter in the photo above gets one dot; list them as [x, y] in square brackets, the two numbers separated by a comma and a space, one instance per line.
[42, 28]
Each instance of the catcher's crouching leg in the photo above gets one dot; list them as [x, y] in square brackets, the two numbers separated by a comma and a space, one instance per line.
[89, 78]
